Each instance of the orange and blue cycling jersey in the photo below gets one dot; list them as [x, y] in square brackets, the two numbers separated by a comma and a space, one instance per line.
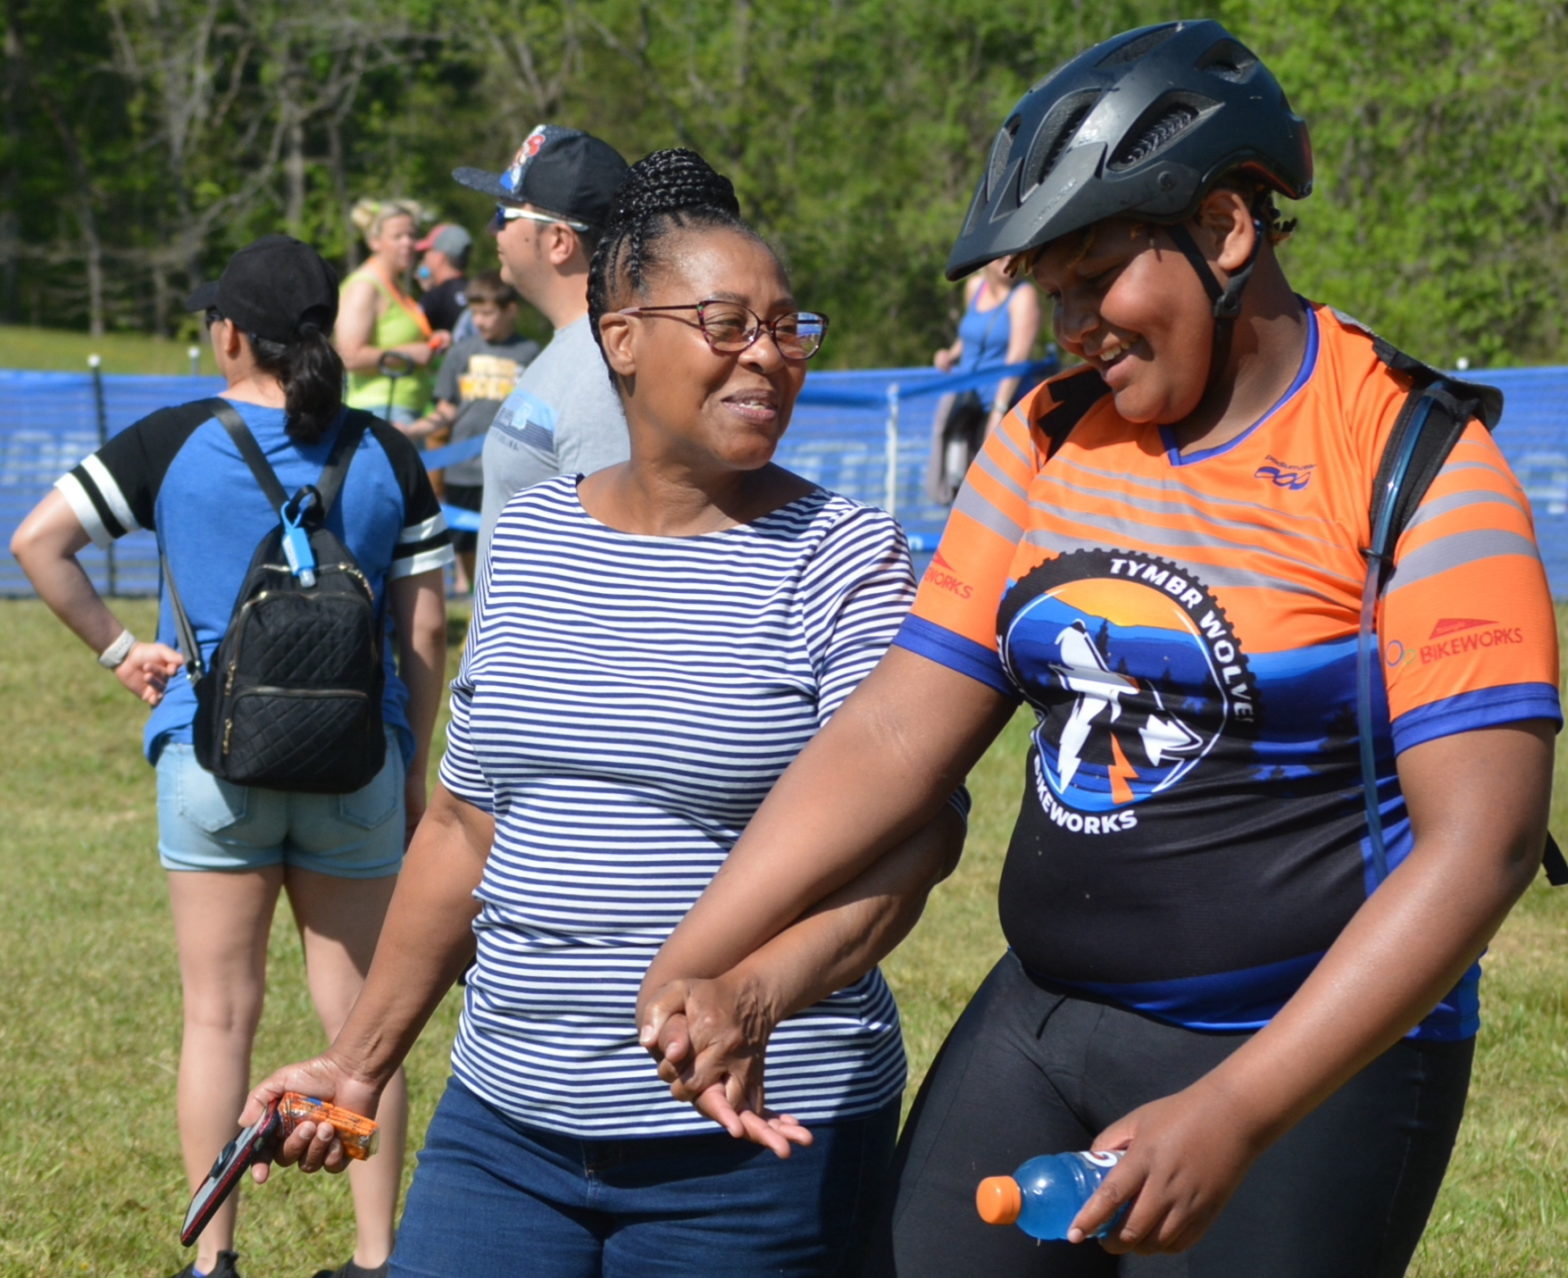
[1192, 836]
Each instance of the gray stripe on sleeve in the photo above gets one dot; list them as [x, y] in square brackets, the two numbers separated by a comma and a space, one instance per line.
[1459, 548]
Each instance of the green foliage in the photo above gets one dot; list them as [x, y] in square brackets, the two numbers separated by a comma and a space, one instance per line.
[155, 136]
[1440, 134]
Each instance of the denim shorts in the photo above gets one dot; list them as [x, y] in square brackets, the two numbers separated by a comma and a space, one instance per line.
[208, 824]
[493, 1198]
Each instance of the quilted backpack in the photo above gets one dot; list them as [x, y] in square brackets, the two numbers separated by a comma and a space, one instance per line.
[292, 700]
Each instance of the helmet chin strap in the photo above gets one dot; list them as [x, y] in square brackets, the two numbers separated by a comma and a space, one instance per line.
[1227, 297]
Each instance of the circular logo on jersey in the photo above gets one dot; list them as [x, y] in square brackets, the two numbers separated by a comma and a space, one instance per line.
[1132, 668]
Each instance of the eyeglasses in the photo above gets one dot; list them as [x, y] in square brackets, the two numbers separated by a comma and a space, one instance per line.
[731, 328]
[211, 317]
[505, 213]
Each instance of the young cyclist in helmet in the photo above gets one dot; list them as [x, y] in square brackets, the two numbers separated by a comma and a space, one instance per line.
[1217, 963]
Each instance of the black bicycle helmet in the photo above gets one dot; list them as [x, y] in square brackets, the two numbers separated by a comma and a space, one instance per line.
[1142, 124]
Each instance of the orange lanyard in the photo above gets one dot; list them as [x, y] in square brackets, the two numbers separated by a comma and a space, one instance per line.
[402, 299]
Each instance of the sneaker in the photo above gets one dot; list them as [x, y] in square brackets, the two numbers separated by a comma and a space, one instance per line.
[223, 1269]
[351, 1270]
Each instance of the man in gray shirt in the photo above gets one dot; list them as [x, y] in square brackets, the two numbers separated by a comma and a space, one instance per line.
[563, 417]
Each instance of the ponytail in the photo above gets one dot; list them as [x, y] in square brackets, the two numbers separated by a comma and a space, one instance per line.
[311, 374]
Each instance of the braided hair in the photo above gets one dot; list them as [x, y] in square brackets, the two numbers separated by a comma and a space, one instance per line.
[670, 190]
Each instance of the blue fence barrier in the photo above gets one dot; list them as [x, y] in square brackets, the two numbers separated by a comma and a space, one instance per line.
[865, 434]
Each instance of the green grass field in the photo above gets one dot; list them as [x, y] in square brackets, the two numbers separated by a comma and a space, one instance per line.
[90, 1179]
[62, 350]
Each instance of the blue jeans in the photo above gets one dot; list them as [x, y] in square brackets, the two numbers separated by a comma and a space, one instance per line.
[494, 1199]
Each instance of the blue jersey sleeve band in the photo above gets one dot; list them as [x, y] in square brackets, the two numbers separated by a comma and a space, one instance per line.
[954, 651]
[1472, 711]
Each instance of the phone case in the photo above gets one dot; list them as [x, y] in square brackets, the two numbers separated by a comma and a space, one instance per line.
[233, 1159]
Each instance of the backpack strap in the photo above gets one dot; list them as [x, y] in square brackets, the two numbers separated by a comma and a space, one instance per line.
[1073, 395]
[356, 421]
[1434, 416]
[250, 450]
[184, 631]
[327, 488]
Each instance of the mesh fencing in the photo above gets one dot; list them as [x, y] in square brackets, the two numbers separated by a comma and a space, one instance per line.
[866, 434]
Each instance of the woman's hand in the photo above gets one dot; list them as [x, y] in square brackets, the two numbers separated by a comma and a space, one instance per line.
[312, 1146]
[147, 669]
[708, 1031]
[1184, 1156]
[710, 1039]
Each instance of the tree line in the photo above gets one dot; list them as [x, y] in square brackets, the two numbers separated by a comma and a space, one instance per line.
[145, 140]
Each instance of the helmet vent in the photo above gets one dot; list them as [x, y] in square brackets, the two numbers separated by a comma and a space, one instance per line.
[1001, 149]
[1229, 61]
[1152, 38]
[1055, 135]
[1159, 126]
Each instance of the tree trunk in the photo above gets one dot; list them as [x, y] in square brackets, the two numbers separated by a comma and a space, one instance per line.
[92, 246]
[294, 174]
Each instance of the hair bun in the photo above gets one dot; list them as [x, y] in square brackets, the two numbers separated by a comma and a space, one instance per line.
[671, 181]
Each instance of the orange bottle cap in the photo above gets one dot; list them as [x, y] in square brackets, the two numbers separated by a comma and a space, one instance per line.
[999, 1200]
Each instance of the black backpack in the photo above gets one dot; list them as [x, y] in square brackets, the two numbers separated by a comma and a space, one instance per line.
[293, 698]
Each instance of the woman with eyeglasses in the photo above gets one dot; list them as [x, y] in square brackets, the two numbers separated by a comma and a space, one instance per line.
[383, 336]
[230, 851]
[651, 646]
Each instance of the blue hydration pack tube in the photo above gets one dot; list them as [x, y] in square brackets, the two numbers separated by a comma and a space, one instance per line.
[1430, 424]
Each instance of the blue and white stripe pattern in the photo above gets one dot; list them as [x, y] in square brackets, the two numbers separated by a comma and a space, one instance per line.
[624, 704]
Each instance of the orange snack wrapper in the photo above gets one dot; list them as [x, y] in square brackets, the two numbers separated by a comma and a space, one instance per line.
[357, 1132]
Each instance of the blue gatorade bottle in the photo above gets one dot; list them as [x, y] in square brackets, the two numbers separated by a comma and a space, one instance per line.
[1044, 1194]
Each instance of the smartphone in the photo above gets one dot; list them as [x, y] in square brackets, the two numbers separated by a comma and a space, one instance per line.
[255, 1142]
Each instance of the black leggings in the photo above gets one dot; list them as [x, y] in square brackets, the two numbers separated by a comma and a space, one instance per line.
[1344, 1194]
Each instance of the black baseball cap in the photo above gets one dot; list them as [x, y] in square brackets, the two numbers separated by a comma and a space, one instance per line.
[273, 288]
[564, 171]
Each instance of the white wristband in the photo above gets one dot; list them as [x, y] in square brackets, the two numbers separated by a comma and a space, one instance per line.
[111, 657]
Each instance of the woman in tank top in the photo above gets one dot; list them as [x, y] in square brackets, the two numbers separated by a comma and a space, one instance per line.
[384, 338]
[1000, 323]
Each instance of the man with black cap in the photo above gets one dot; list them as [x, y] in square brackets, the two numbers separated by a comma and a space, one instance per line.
[563, 417]
[443, 275]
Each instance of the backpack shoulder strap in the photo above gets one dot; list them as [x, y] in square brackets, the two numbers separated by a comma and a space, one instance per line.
[356, 421]
[250, 450]
[1434, 416]
[1073, 394]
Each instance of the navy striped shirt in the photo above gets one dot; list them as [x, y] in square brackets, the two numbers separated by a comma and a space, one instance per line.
[624, 704]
